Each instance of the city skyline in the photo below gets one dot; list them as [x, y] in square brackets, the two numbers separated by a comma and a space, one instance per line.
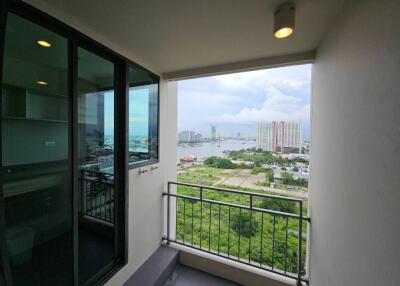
[235, 103]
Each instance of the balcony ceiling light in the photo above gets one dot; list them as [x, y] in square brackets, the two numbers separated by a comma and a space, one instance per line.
[43, 43]
[41, 82]
[284, 19]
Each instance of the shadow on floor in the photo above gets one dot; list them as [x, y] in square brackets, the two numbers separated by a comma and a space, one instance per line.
[186, 276]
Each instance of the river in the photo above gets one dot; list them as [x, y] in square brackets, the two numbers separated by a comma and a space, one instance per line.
[213, 148]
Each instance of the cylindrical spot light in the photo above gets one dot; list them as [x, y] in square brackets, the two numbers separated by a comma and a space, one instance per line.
[284, 19]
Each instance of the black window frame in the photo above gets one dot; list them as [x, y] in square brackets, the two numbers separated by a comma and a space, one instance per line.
[154, 80]
[78, 39]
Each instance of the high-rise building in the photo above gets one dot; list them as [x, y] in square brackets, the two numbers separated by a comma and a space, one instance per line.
[189, 136]
[271, 135]
[213, 133]
[186, 136]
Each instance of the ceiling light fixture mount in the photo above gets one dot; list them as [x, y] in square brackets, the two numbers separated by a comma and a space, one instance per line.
[43, 43]
[284, 20]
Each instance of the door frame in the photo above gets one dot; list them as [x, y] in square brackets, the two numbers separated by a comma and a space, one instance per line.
[121, 84]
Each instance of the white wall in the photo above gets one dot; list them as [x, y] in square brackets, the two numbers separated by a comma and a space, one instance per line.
[355, 164]
[146, 208]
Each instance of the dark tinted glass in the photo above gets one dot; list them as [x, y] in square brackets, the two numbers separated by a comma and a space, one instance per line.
[35, 144]
[96, 163]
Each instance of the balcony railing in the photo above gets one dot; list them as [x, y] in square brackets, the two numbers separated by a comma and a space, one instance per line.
[256, 229]
[97, 195]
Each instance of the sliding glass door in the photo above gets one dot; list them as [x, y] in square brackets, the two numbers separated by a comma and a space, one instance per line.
[62, 207]
[36, 185]
[96, 160]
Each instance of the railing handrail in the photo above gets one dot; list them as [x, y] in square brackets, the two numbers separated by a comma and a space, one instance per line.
[236, 191]
[269, 211]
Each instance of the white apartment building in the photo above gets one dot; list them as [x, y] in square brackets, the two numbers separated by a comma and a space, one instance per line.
[271, 135]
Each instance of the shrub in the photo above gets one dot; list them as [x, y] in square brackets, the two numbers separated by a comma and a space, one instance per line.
[241, 222]
[278, 205]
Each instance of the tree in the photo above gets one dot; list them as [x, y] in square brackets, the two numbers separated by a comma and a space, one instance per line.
[269, 175]
[220, 163]
[295, 169]
[278, 205]
[244, 223]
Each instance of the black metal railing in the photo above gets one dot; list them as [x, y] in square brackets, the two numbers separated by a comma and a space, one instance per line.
[257, 229]
[97, 195]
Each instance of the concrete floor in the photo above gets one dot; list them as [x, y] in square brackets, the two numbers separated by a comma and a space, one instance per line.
[186, 276]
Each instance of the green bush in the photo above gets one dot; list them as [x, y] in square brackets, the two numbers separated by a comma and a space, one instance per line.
[220, 163]
[278, 205]
[241, 222]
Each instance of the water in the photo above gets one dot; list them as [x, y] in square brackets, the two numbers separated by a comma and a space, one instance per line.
[213, 148]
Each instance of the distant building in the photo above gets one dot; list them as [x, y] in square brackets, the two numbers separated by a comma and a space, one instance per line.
[273, 136]
[186, 136]
[189, 136]
[198, 137]
[213, 133]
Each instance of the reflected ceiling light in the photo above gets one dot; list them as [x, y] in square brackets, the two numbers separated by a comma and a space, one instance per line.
[43, 43]
[284, 17]
[41, 82]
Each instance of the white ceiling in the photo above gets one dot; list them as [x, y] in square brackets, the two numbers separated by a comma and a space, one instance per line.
[176, 35]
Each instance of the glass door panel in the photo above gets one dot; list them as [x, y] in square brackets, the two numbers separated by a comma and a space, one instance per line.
[35, 155]
[96, 163]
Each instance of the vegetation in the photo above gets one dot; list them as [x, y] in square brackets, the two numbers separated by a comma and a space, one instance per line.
[279, 205]
[288, 179]
[229, 230]
[258, 157]
[220, 163]
[244, 223]
[239, 232]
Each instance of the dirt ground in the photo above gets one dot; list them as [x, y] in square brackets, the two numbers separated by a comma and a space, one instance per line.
[243, 178]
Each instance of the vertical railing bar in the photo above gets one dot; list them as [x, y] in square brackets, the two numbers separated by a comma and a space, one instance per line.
[192, 221]
[99, 200]
[251, 227]
[102, 205]
[184, 220]
[261, 238]
[201, 214]
[300, 242]
[273, 243]
[286, 242]
[176, 216]
[240, 222]
[106, 203]
[229, 230]
[219, 226]
[209, 230]
[168, 212]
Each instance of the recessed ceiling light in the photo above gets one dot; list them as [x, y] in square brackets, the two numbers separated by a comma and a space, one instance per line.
[284, 19]
[41, 82]
[43, 43]
[283, 33]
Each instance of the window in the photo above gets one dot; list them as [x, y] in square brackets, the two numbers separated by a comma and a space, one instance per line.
[143, 117]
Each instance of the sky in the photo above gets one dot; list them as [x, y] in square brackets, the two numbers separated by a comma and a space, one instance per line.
[236, 102]
[138, 115]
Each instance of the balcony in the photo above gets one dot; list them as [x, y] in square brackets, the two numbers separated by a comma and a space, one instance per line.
[72, 73]
[254, 229]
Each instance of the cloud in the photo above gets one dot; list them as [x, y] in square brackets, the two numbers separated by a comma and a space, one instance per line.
[284, 77]
[238, 101]
[276, 107]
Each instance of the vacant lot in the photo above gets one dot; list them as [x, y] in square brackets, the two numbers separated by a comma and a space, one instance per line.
[234, 178]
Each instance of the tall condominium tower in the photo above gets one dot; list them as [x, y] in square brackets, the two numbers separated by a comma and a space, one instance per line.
[271, 135]
[213, 133]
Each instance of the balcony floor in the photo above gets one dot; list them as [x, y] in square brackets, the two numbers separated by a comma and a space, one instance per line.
[183, 276]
